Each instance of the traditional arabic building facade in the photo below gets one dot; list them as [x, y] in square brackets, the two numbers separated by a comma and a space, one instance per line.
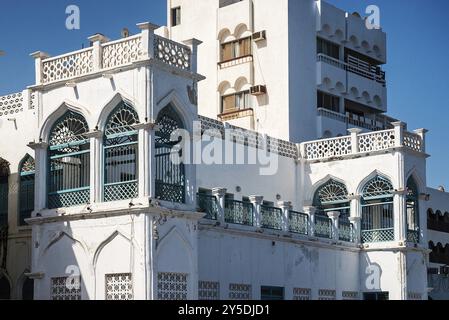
[95, 205]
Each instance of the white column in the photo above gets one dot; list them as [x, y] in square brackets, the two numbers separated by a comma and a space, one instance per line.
[422, 133]
[398, 133]
[357, 225]
[145, 177]
[311, 212]
[193, 44]
[220, 194]
[40, 191]
[97, 50]
[354, 139]
[147, 32]
[96, 166]
[400, 215]
[39, 57]
[285, 206]
[257, 202]
[334, 216]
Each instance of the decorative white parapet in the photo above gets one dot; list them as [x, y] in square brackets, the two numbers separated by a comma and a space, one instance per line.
[106, 55]
[16, 103]
[363, 144]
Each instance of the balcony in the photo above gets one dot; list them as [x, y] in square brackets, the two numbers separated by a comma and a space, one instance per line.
[274, 219]
[356, 80]
[240, 118]
[350, 120]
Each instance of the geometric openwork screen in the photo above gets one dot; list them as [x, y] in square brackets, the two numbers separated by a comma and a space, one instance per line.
[170, 175]
[121, 154]
[332, 196]
[26, 188]
[377, 211]
[69, 162]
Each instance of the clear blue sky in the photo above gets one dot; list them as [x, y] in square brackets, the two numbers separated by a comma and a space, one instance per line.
[418, 52]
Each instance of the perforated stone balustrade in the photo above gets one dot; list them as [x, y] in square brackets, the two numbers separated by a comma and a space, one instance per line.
[105, 55]
[16, 103]
[366, 143]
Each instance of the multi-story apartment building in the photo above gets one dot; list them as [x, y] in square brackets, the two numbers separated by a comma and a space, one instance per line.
[93, 205]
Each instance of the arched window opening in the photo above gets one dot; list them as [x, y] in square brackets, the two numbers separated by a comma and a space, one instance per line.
[332, 196]
[377, 211]
[5, 288]
[28, 289]
[121, 154]
[412, 211]
[4, 191]
[26, 189]
[69, 162]
[170, 176]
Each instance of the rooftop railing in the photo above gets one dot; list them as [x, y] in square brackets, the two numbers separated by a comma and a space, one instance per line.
[105, 55]
[358, 144]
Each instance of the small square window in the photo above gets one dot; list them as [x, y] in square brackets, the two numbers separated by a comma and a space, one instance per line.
[175, 16]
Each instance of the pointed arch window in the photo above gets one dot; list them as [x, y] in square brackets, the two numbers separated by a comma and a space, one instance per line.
[121, 154]
[26, 189]
[69, 162]
[377, 211]
[170, 176]
[4, 192]
[332, 196]
[412, 211]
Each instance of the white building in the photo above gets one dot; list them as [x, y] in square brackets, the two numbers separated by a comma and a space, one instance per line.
[90, 167]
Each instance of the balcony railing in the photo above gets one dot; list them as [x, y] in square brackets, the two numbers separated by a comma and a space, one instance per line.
[346, 231]
[380, 123]
[357, 144]
[236, 114]
[238, 212]
[323, 227]
[298, 223]
[209, 205]
[110, 55]
[380, 235]
[356, 66]
[413, 236]
[271, 218]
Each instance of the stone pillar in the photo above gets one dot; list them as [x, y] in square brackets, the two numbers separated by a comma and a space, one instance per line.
[193, 44]
[398, 133]
[285, 206]
[97, 53]
[311, 212]
[40, 193]
[144, 159]
[39, 57]
[354, 139]
[220, 194]
[257, 202]
[96, 165]
[400, 215]
[334, 216]
[357, 225]
[147, 32]
[422, 134]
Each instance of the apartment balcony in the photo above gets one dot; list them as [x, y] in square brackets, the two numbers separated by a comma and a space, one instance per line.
[355, 80]
[350, 120]
[235, 17]
[232, 71]
[350, 30]
[239, 118]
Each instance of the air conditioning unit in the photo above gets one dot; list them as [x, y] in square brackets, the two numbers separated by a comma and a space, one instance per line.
[258, 90]
[260, 36]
